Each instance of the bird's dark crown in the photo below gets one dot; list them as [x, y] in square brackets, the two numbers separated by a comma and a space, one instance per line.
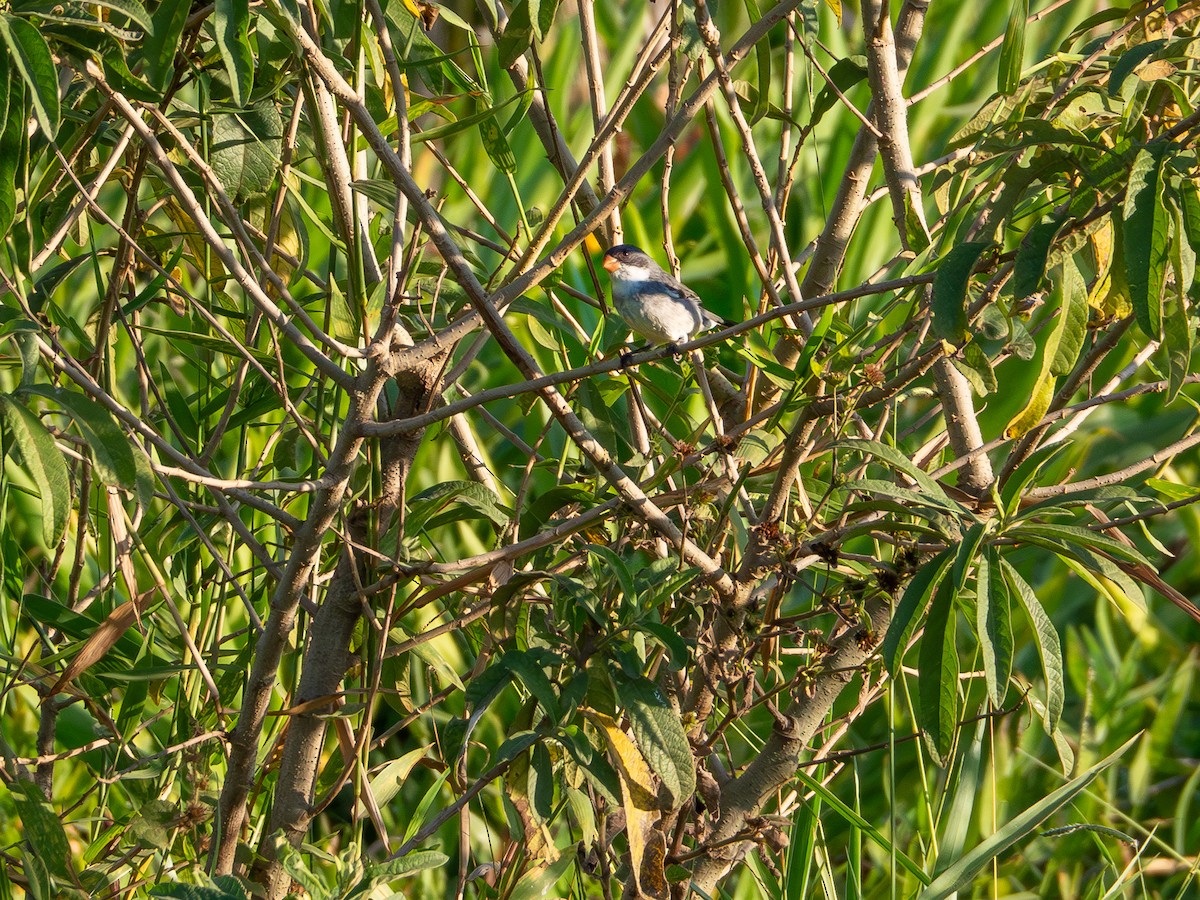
[625, 253]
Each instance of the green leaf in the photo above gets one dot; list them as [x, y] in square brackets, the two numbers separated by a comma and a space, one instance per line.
[1178, 335]
[496, 145]
[916, 500]
[246, 148]
[231, 20]
[1146, 241]
[130, 9]
[151, 825]
[1086, 537]
[529, 670]
[689, 31]
[851, 815]
[31, 56]
[178, 891]
[8, 87]
[678, 653]
[38, 878]
[542, 508]
[1039, 401]
[382, 192]
[378, 873]
[541, 782]
[111, 449]
[519, 33]
[471, 494]
[916, 233]
[417, 818]
[1012, 51]
[595, 765]
[162, 42]
[762, 59]
[977, 369]
[904, 619]
[614, 567]
[993, 623]
[659, 735]
[1130, 60]
[1071, 327]
[962, 791]
[538, 883]
[938, 682]
[544, 17]
[12, 150]
[485, 687]
[295, 865]
[844, 74]
[1173, 490]
[482, 114]
[514, 746]
[1189, 205]
[904, 464]
[44, 461]
[950, 290]
[413, 47]
[42, 827]
[1064, 340]
[1049, 648]
[965, 557]
[1030, 264]
[112, 57]
[961, 875]
[388, 781]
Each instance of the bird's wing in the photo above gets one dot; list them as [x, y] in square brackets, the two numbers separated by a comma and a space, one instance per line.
[703, 318]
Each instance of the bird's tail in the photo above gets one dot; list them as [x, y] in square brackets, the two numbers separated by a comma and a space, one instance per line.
[711, 320]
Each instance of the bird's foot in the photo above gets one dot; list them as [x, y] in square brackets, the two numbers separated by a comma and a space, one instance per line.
[674, 350]
[626, 359]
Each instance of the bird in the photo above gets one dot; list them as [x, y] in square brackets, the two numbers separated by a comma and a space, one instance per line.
[655, 305]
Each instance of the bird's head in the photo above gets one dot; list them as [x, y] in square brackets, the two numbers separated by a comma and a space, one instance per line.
[628, 261]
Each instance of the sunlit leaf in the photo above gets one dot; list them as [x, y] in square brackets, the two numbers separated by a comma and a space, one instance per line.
[659, 735]
[1049, 647]
[1146, 241]
[961, 875]
[231, 19]
[246, 148]
[1071, 327]
[1012, 51]
[1128, 61]
[30, 55]
[993, 625]
[161, 42]
[42, 828]
[12, 146]
[110, 448]
[44, 462]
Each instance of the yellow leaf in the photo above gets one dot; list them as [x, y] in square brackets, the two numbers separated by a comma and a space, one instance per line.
[199, 254]
[647, 845]
[1110, 293]
[1155, 70]
[1039, 402]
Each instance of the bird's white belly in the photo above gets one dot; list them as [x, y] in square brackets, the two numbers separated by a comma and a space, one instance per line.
[658, 317]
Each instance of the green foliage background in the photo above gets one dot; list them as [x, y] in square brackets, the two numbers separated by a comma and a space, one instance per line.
[190, 282]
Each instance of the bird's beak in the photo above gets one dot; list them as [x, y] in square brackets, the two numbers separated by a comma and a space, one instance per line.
[611, 263]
